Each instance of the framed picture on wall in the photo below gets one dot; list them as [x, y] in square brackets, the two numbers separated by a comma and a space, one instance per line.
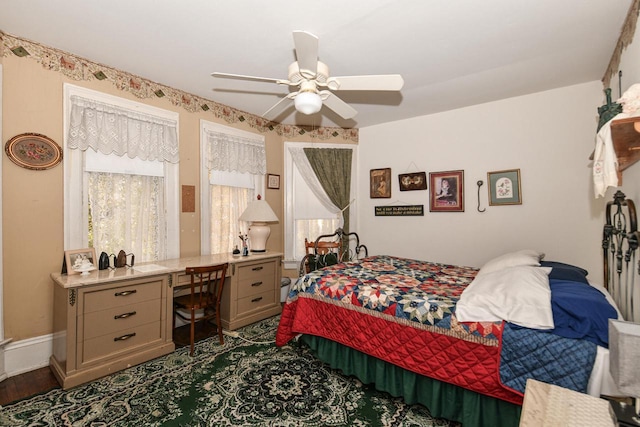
[504, 187]
[447, 191]
[380, 183]
[412, 181]
[273, 181]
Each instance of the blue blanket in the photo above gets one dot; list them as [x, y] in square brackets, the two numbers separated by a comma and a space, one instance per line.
[564, 355]
[580, 311]
[528, 353]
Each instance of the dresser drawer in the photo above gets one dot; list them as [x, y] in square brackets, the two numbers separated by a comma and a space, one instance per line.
[122, 295]
[118, 342]
[255, 302]
[256, 278]
[108, 321]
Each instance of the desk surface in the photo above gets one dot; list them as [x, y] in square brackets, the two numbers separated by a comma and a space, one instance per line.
[154, 268]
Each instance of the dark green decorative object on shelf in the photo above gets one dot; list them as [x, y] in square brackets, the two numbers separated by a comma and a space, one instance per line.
[609, 110]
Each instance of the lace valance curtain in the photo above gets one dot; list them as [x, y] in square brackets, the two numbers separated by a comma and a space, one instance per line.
[235, 154]
[112, 129]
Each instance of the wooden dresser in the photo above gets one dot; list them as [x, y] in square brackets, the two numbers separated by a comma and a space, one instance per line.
[109, 320]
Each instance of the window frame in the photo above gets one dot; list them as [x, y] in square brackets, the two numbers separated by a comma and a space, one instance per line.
[205, 193]
[75, 182]
[290, 262]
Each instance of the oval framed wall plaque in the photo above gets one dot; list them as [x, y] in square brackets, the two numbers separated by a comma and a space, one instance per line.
[33, 151]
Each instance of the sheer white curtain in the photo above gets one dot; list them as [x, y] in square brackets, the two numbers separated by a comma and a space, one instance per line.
[121, 179]
[127, 212]
[311, 221]
[309, 176]
[228, 203]
[235, 166]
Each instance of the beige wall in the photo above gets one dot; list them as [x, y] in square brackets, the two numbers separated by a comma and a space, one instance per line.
[33, 200]
[549, 136]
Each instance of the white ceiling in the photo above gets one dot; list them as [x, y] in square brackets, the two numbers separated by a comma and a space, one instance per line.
[451, 53]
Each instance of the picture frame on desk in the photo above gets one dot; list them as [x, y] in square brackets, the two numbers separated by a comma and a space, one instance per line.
[75, 257]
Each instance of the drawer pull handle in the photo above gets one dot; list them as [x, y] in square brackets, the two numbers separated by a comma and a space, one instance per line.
[257, 268]
[124, 315]
[256, 299]
[256, 284]
[125, 293]
[125, 337]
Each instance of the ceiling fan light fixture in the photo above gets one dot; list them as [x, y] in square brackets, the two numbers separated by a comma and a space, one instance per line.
[308, 102]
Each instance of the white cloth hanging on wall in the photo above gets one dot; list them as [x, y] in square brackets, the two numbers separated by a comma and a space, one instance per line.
[605, 161]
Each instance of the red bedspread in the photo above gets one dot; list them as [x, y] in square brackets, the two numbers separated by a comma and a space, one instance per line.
[401, 311]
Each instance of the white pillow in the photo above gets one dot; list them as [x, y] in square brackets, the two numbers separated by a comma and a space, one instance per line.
[519, 295]
[513, 259]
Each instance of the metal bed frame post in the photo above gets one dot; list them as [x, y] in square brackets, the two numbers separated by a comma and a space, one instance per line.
[346, 254]
[619, 246]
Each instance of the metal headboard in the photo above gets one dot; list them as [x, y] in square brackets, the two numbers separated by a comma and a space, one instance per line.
[620, 239]
[351, 248]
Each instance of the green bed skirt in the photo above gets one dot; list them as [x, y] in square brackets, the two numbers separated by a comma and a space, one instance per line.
[442, 399]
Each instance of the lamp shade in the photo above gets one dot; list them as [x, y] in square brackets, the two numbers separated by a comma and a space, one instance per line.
[308, 102]
[258, 211]
[624, 354]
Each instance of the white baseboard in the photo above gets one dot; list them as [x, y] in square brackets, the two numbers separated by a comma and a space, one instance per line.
[27, 355]
[3, 374]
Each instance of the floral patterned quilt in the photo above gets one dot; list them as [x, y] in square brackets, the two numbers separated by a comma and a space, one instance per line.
[402, 311]
[418, 291]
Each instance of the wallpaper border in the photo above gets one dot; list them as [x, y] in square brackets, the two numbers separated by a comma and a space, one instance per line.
[78, 68]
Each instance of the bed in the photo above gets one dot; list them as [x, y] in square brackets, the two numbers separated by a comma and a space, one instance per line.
[460, 340]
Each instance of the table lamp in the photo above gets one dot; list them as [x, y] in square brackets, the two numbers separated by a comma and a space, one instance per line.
[624, 355]
[258, 213]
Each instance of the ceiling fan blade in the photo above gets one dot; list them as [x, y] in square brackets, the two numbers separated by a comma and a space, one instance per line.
[336, 104]
[243, 77]
[373, 82]
[279, 107]
[306, 53]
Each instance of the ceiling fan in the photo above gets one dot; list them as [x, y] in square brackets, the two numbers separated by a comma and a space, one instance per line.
[314, 87]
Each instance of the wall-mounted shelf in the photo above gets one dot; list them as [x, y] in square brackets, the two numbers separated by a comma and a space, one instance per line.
[625, 134]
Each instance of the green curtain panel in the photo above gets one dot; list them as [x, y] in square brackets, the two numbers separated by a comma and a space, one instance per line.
[332, 166]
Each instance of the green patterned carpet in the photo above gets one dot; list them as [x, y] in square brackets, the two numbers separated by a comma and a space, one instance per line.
[239, 384]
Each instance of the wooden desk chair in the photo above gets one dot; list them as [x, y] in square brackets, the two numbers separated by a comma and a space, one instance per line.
[206, 291]
[321, 253]
[330, 249]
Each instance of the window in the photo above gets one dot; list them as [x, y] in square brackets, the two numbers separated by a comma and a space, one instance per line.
[121, 176]
[233, 166]
[308, 211]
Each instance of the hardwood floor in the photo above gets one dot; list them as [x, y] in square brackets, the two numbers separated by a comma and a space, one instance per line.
[42, 380]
